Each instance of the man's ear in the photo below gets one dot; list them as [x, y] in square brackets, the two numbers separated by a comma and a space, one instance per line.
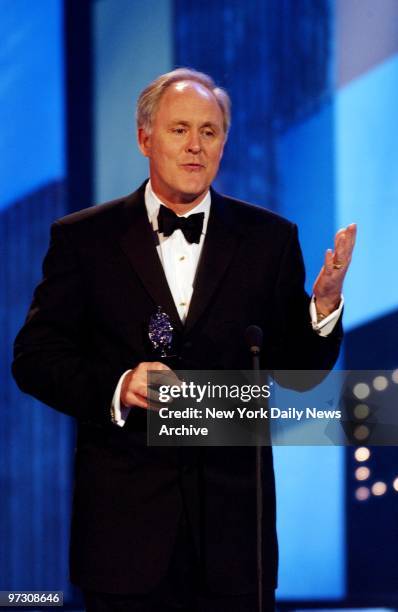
[144, 141]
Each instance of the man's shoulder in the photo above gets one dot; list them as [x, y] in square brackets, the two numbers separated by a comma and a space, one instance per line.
[105, 221]
[248, 216]
[102, 213]
[97, 214]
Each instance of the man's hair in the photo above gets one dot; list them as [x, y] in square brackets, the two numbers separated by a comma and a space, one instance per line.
[149, 98]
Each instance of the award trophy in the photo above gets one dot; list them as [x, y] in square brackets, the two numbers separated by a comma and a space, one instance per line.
[162, 337]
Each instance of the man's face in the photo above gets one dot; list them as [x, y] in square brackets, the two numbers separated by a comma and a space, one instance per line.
[185, 144]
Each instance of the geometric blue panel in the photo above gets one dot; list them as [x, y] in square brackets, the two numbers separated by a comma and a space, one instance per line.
[367, 189]
[366, 35]
[311, 530]
[132, 44]
[36, 442]
[226, 39]
[31, 97]
[307, 184]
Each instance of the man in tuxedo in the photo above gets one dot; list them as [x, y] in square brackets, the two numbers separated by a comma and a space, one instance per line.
[157, 529]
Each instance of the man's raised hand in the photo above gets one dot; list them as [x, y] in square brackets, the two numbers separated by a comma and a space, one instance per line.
[329, 283]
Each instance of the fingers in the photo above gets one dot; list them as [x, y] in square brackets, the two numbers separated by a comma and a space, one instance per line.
[154, 365]
[329, 283]
[352, 232]
[343, 246]
[133, 393]
[135, 389]
[133, 399]
[328, 265]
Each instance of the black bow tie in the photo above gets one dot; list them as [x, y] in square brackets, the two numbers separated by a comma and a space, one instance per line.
[190, 226]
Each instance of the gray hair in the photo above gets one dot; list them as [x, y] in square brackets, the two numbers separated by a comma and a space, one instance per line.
[149, 98]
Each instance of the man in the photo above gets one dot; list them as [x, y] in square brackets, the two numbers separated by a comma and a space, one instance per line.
[168, 528]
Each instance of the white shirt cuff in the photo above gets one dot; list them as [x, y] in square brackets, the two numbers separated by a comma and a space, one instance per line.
[119, 413]
[327, 325]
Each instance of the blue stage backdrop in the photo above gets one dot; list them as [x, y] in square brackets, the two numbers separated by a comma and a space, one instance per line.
[35, 442]
[313, 88]
[132, 45]
[366, 152]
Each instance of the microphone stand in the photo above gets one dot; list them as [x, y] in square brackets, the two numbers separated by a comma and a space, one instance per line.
[254, 338]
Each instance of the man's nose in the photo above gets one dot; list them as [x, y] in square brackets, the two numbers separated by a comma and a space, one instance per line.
[194, 144]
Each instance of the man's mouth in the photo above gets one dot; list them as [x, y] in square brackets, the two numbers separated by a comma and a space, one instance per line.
[192, 167]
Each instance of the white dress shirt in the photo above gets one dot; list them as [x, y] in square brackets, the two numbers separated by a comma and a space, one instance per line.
[180, 259]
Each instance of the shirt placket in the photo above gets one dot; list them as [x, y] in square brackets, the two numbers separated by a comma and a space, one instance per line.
[183, 275]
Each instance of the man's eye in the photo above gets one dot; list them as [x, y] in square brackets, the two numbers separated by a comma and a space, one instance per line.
[179, 130]
[208, 133]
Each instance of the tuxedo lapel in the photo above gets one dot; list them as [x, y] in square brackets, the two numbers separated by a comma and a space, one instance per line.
[138, 242]
[221, 241]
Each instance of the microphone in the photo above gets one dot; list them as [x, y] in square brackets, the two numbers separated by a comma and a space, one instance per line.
[254, 339]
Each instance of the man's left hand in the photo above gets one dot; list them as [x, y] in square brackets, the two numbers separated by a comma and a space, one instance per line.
[329, 283]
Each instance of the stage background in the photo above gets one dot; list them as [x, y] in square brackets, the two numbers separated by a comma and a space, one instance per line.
[313, 85]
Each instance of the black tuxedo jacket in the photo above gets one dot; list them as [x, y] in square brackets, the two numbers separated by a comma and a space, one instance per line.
[88, 323]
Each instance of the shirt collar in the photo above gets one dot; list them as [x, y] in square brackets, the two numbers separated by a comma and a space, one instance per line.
[153, 204]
